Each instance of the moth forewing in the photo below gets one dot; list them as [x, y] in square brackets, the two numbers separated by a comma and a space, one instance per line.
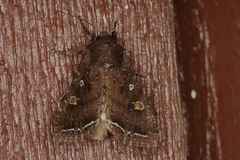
[105, 96]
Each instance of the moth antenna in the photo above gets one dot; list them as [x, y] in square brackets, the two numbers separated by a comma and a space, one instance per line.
[130, 22]
[115, 24]
[139, 75]
[59, 98]
[81, 19]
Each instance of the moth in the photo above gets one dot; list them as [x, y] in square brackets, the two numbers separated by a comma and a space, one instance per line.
[105, 97]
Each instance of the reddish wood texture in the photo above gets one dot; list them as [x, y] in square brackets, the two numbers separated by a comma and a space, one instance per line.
[31, 75]
[208, 36]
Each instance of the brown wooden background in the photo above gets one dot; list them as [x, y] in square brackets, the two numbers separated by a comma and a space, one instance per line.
[208, 47]
[31, 75]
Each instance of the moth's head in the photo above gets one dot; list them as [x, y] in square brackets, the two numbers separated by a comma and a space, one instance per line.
[108, 34]
[105, 34]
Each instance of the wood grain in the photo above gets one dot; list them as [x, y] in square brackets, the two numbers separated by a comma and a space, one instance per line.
[32, 75]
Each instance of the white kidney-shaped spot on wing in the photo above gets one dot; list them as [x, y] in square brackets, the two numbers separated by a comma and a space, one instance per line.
[81, 83]
[131, 87]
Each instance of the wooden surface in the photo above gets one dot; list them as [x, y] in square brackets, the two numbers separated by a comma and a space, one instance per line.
[208, 42]
[31, 75]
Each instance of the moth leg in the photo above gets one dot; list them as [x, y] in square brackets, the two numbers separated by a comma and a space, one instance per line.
[113, 33]
[86, 32]
[70, 52]
[139, 75]
[59, 98]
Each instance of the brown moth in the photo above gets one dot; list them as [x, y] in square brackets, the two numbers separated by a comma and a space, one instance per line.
[105, 96]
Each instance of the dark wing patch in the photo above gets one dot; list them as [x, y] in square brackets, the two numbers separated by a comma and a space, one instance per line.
[77, 119]
[129, 117]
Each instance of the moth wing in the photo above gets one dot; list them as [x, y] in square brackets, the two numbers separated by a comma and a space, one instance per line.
[129, 116]
[77, 119]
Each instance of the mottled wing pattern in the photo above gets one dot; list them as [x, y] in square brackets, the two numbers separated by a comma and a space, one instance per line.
[77, 119]
[129, 116]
